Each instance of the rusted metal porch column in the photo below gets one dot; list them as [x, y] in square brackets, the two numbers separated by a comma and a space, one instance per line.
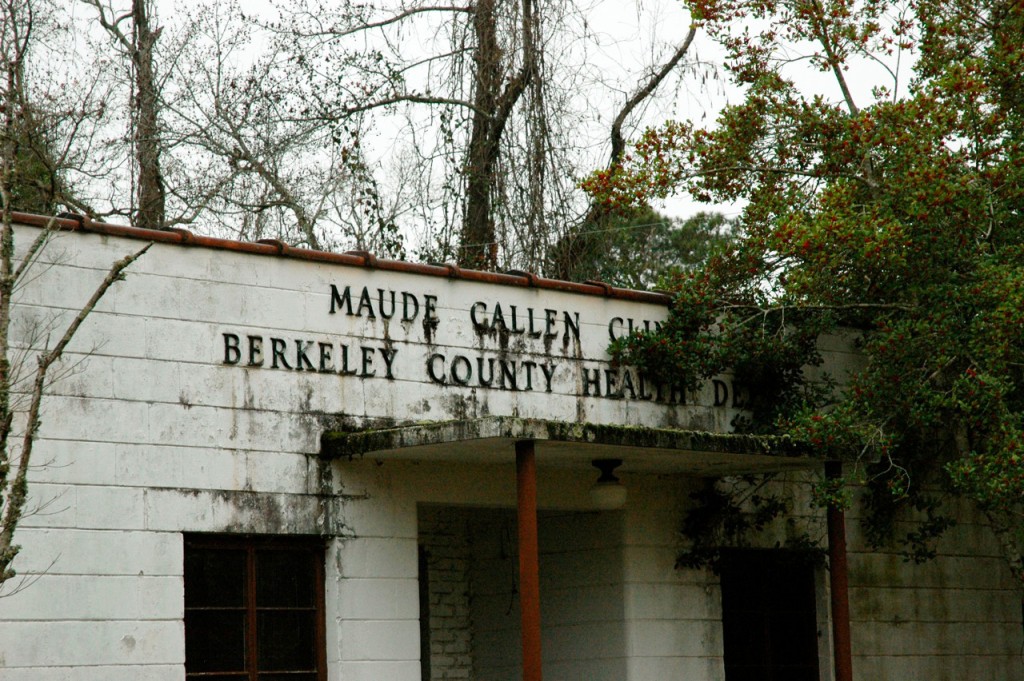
[839, 583]
[529, 571]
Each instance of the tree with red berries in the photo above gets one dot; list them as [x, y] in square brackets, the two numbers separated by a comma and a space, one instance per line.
[895, 210]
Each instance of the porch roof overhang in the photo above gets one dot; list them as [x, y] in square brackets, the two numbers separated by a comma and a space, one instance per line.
[558, 443]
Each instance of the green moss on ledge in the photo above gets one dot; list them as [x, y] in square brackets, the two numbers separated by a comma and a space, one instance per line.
[353, 444]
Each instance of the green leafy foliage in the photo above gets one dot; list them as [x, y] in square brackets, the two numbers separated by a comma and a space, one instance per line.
[902, 218]
[640, 248]
[33, 181]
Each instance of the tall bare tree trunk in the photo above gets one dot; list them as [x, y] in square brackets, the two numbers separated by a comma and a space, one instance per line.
[478, 243]
[150, 210]
[493, 105]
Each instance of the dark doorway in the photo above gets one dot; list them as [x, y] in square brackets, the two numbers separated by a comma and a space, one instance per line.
[768, 616]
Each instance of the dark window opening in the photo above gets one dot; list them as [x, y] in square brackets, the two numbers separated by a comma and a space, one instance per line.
[769, 621]
[254, 608]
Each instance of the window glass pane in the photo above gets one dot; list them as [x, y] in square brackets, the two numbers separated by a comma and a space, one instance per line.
[214, 640]
[285, 640]
[252, 608]
[214, 578]
[284, 579]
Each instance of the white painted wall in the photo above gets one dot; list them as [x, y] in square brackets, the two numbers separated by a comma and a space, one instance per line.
[673, 617]
[581, 586]
[153, 435]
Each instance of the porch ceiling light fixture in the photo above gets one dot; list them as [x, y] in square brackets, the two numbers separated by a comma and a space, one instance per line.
[607, 493]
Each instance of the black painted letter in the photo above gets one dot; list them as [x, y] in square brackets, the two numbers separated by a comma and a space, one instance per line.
[232, 353]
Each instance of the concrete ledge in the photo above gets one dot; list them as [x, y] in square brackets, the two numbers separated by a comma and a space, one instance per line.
[492, 439]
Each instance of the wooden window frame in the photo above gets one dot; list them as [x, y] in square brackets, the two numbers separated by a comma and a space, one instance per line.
[250, 544]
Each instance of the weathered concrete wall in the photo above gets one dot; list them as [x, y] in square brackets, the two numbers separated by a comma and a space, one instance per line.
[580, 563]
[613, 604]
[444, 537]
[582, 607]
[581, 582]
[494, 573]
[673, 617]
[958, 616]
[162, 428]
[156, 432]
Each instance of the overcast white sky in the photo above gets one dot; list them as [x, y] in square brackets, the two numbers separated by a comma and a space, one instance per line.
[623, 38]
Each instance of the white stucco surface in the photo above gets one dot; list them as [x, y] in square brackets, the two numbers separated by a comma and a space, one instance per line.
[154, 431]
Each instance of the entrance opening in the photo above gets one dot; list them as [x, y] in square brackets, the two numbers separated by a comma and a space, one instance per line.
[769, 621]
[469, 594]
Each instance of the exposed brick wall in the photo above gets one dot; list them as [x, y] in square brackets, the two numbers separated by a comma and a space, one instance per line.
[444, 538]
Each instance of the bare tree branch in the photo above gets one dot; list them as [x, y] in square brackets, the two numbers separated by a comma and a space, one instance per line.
[643, 92]
[18, 487]
[413, 99]
[111, 24]
[581, 245]
[833, 61]
[468, 9]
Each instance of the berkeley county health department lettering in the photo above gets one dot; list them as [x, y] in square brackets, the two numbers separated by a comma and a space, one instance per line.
[497, 369]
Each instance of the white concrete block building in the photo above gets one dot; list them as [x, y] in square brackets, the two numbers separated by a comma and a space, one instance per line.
[266, 463]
